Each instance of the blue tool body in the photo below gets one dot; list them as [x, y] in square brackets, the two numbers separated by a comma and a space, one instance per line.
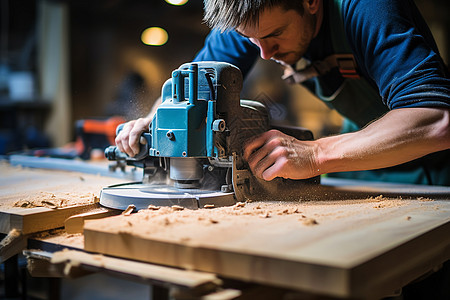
[186, 120]
[193, 155]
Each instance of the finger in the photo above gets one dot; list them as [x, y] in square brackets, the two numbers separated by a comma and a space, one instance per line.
[119, 141]
[252, 145]
[136, 132]
[264, 169]
[271, 144]
[126, 145]
[258, 141]
[133, 140]
[262, 165]
[122, 139]
[277, 169]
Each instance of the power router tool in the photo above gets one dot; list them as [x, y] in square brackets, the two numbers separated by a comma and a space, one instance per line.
[192, 155]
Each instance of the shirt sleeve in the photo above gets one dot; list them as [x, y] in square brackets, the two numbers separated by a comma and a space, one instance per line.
[394, 47]
[229, 47]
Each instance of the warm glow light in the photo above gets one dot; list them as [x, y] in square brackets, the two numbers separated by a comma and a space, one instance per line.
[177, 2]
[154, 36]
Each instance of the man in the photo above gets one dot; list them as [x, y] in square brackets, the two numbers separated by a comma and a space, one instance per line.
[397, 112]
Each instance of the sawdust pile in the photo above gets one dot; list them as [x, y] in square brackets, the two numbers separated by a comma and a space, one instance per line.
[60, 237]
[176, 220]
[56, 200]
[29, 188]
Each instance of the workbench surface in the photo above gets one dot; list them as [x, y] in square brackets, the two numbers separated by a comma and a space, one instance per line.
[344, 248]
[351, 247]
[32, 200]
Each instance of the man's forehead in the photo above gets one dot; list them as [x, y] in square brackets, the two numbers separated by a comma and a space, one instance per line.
[270, 20]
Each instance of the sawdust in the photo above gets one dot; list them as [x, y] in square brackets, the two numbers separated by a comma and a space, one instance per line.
[29, 188]
[263, 227]
[306, 213]
[56, 200]
[309, 221]
[60, 237]
[423, 199]
[384, 202]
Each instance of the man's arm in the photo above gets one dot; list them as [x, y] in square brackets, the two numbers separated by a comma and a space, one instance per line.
[399, 136]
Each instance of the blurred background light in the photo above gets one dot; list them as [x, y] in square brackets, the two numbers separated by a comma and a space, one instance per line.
[177, 2]
[154, 36]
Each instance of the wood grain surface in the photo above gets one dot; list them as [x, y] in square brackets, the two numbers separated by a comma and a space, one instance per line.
[33, 200]
[345, 248]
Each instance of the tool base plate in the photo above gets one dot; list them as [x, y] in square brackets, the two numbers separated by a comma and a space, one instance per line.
[142, 195]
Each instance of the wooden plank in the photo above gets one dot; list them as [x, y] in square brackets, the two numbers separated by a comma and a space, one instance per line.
[33, 200]
[181, 278]
[13, 243]
[75, 223]
[38, 219]
[348, 248]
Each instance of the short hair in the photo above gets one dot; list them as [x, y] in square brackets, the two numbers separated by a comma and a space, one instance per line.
[229, 14]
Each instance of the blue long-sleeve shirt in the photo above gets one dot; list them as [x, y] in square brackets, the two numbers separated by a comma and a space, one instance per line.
[397, 57]
[392, 45]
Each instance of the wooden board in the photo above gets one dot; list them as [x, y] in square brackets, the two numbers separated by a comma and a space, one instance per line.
[74, 224]
[347, 248]
[32, 200]
[182, 278]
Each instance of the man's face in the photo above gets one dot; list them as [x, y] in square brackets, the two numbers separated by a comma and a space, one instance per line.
[281, 35]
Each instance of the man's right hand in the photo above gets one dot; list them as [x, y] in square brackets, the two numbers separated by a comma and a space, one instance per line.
[128, 138]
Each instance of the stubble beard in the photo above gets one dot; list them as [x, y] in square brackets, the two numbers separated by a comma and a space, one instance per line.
[307, 35]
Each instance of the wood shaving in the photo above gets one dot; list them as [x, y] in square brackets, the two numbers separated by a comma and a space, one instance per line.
[129, 210]
[177, 207]
[309, 222]
[377, 198]
[423, 199]
[239, 205]
[12, 235]
[50, 204]
[265, 215]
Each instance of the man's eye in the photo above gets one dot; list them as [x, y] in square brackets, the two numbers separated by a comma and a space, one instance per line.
[275, 34]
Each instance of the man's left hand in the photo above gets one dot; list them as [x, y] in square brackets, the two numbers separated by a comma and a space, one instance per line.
[275, 154]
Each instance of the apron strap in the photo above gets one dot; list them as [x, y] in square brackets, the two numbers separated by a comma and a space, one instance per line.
[345, 63]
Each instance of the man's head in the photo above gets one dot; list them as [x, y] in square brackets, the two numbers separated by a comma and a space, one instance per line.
[282, 29]
[229, 14]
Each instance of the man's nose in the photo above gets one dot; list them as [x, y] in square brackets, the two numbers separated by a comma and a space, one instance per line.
[267, 49]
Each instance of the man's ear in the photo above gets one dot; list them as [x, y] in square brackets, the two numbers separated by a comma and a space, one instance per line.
[312, 5]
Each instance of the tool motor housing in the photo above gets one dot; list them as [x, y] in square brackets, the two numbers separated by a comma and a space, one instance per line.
[196, 137]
